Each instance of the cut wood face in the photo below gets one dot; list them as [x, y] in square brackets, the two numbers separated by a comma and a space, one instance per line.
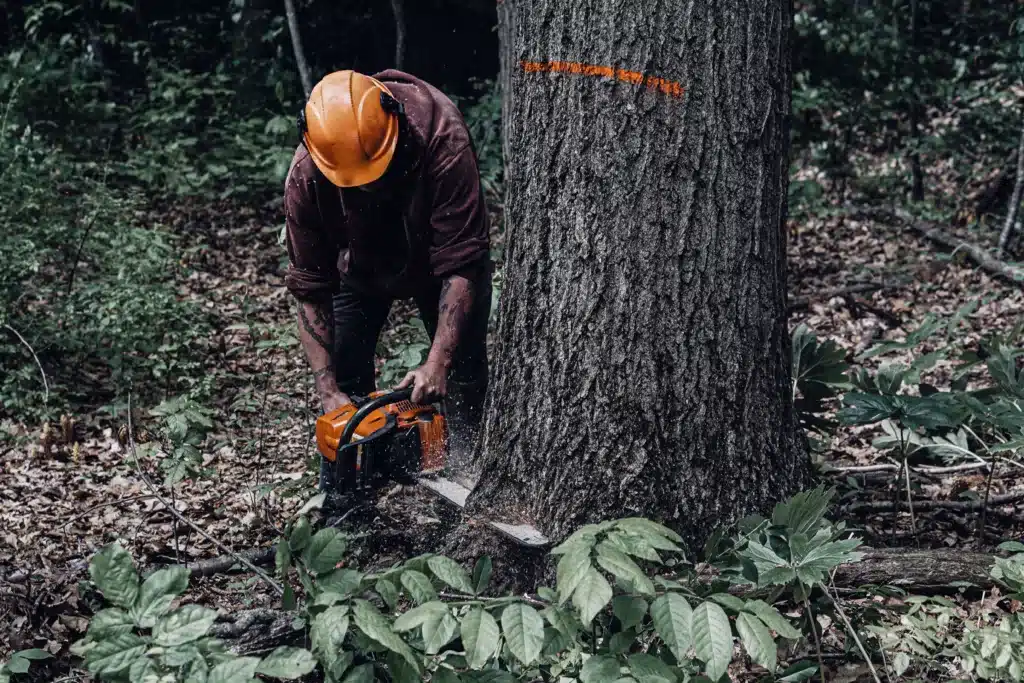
[456, 494]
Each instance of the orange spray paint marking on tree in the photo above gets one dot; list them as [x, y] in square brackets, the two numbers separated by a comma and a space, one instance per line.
[670, 88]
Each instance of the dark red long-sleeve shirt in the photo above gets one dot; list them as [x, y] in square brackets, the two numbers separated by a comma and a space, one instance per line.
[391, 244]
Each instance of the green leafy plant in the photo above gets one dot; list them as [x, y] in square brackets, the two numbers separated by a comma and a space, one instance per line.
[819, 376]
[187, 424]
[20, 663]
[146, 633]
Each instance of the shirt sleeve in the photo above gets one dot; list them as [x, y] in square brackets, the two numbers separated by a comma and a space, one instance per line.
[460, 229]
[312, 274]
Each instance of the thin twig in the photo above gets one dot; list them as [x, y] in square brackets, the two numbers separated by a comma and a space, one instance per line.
[910, 503]
[46, 385]
[984, 506]
[109, 503]
[817, 640]
[152, 487]
[850, 629]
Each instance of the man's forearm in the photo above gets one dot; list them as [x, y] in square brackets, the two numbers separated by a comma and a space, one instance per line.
[316, 334]
[454, 308]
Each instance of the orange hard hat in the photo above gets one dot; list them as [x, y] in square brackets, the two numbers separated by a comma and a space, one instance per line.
[351, 128]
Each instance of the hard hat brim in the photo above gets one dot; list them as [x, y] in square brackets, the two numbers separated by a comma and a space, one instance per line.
[364, 174]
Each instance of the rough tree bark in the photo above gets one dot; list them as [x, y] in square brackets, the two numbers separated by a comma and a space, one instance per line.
[1011, 214]
[300, 55]
[642, 362]
[398, 11]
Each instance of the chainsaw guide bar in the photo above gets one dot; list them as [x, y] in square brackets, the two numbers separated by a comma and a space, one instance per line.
[457, 494]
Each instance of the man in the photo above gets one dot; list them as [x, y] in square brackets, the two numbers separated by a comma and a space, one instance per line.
[383, 202]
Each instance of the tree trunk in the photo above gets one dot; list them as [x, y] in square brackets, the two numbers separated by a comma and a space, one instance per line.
[300, 55]
[916, 172]
[399, 12]
[642, 359]
[1011, 214]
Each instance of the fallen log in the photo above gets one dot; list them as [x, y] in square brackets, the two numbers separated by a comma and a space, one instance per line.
[888, 505]
[258, 631]
[923, 571]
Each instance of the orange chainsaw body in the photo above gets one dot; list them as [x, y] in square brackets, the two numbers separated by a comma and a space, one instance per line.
[406, 416]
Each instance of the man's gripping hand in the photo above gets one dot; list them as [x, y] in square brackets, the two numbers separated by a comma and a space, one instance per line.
[429, 382]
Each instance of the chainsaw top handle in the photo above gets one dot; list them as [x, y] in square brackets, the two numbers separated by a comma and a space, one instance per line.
[367, 408]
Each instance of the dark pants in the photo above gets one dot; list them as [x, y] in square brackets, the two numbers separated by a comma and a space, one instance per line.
[358, 321]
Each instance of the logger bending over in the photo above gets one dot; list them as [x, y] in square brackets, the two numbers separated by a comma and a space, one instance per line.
[383, 202]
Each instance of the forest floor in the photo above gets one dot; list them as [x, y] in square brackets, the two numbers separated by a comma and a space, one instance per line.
[59, 504]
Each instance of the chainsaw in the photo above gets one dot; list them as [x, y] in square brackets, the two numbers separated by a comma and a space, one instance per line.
[384, 437]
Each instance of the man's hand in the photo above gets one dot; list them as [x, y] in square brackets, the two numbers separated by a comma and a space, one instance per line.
[333, 401]
[429, 383]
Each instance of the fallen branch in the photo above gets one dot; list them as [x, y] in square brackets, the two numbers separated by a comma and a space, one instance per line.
[867, 469]
[223, 563]
[181, 518]
[917, 570]
[979, 256]
[887, 506]
[46, 385]
[257, 631]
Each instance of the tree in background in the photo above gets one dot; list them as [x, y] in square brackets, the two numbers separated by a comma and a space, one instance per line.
[642, 357]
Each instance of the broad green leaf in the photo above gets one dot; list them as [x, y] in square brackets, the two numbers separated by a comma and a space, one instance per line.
[373, 624]
[386, 590]
[620, 565]
[238, 670]
[573, 567]
[144, 670]
[16, 665]
[34, 654]
[415, 617]
[629, 610]
[399, 670]
[184, 625]
[299, 537]
[600, 669]
[592, 594]
[771, 569]
[451, 572]
[584, 537]
[634, 545]
[288, 600]
[801, 671]
[114, 574]
[480, 636]
[647, 668]
[773, 619]
[524, 631]
[900, 663]
[287, 663]
[157, 593]
[712, 638]
[343, 581]
[324, 551]
[110, 621]
[647, 529]
[360, 674]
[673, 617]
[562, 621]
[283, 559]
[114, 654]
[438, 631]
[757, 641]
[443, 675]
[728, 601]
[419, 586]
[180, 656]
[481, 575]
[327, 634]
